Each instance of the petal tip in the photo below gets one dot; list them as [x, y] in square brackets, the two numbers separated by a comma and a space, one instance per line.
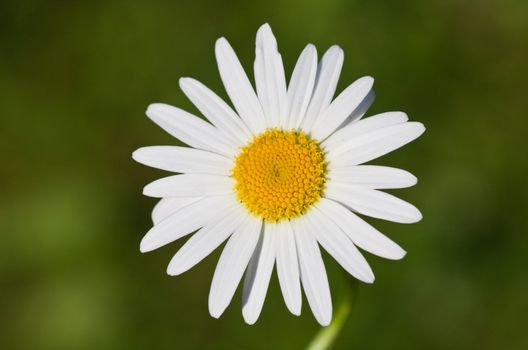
[337, 51]
[265, 26]
[250, 319]
[220, 42]
[154, 110]
[402, 117]
[413, 180]
[215, 310]
[369, 279]
[136, 155]
[325, 321]
[401, 255]
[368, 78]
[140, 154]
[296, 310]
[415, 217]
[418, 215]
[177, 265]
[155, 106]
[215, 313]
[310, 51]
[145, 246]
[420, 127]
[265, 37]
[184, 81]
[147, 190]
[172, 270]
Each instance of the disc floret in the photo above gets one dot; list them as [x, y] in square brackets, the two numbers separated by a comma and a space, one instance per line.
[280, 174]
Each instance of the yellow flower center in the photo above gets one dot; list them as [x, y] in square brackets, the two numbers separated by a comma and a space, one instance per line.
[279, 174]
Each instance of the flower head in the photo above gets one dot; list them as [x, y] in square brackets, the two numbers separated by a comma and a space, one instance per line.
[277, 178]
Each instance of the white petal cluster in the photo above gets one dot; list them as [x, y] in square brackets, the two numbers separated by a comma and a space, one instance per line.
[201, 197]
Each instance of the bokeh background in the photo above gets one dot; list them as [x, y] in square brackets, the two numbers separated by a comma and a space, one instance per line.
[75, 80]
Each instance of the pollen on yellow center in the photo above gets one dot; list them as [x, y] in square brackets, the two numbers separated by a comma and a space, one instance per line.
[279, 174]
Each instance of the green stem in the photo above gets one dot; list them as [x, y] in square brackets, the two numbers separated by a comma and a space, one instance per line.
[326, 336]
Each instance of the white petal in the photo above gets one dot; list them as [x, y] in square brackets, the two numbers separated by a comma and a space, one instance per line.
[313, 273]
[301, 86]
[342, 107]
[374, 144]
[169, 205]
[355, 129]
[260, 85]
[207, 239]
[269, 78]
[360, 110]
[232, 263]
[185, 221]
[190, 129]
[373, 176]
[339, 246]
[288, 267]
[361, 233]
[216, 110]
[183, 160]
[190, 185]
[238, 87]
[373, 203]
[258, 275]
[325, 84]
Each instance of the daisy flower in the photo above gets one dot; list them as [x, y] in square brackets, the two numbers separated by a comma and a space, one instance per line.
[277, 177]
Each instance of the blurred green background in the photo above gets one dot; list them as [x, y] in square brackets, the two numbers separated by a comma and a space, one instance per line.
[75, 80]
